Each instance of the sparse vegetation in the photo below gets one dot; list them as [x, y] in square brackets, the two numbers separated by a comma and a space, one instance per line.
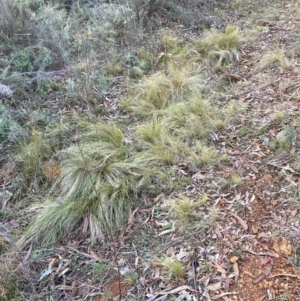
[133, 130]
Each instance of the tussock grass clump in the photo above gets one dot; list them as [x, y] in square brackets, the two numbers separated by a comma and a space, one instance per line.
[171, 267]
[8, 288]
[159, 145]
[213, 40]
[36, 151]
[233, 111]
[163, 146]
[221, 47]
[94, 192]
[278, 115]
[184, 208]
[170, 43]
[194, 118]
[203, 155]
[153, 94]
[32, 156]
[271, 59]
[158, 91]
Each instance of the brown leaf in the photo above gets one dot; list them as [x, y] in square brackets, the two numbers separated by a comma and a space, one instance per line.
[178, 289]
[226, 284]
[241, 221]
[263, 275]
[52, 169]
[66, 287]
[218, 231]
[233, 77]
[198, 176]
[236, 271]
[253, 168]
[254, 229]
[94, 255]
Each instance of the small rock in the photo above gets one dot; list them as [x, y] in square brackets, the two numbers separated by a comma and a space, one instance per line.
[282, 246]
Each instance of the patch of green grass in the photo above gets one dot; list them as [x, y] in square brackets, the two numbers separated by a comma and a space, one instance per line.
[153, 94]
[171, 44]
[98, 270]
[246, 132]
[206, 221]
[224, 57]
[10, 130]
[203, 155]
[5, 213]
[194, 118]
[270, 13]
[236, 178]
[233, 111]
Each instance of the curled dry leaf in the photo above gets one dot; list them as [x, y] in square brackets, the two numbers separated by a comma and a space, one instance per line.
[222, 295]
[263, 275]
[265, 260]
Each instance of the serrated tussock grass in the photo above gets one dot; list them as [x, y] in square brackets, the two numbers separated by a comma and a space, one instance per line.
[221, 47]
[214, 40]
[194, 118]
[272, 58]
[101, 175]
[171, 267]
[184, 208]
[94, 190]
[161, 89]
[158, 143]
[33, 152]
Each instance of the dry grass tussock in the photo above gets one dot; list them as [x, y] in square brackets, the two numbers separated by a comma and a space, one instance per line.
[161, 89]
[94, 189]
